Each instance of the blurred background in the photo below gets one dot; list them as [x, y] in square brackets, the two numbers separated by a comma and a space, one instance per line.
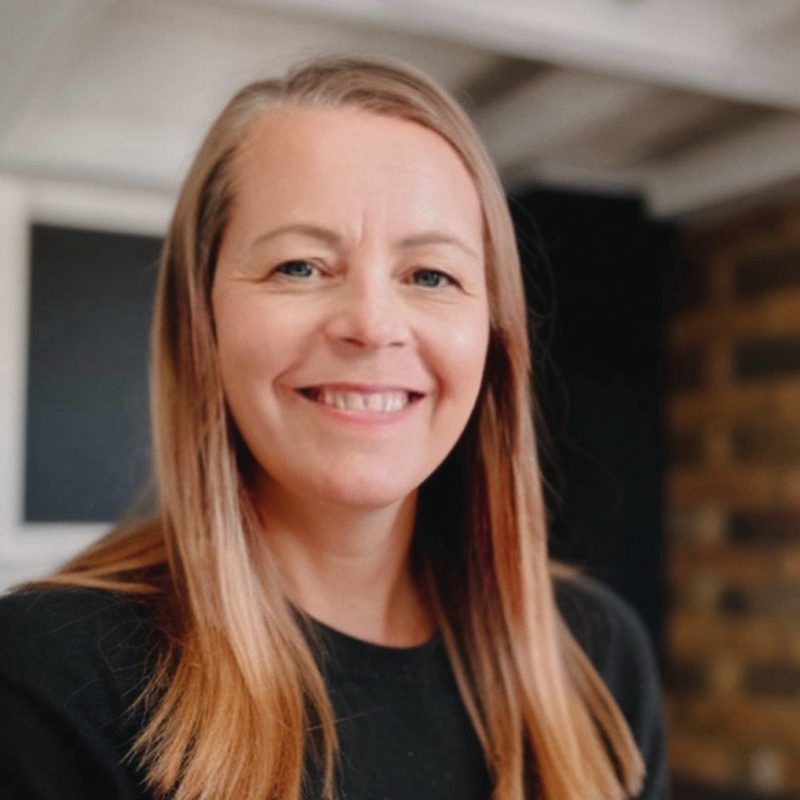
[651, 153]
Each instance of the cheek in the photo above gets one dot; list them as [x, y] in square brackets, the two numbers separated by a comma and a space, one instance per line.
[461, 350]
[253, 338]
[239, 357]
[249, 356]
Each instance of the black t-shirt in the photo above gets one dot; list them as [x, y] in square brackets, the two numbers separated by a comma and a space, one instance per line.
[72, 661]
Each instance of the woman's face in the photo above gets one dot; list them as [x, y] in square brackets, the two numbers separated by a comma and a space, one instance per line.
[350, 304]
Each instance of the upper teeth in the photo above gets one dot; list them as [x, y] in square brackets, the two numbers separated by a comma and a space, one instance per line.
[359, 401]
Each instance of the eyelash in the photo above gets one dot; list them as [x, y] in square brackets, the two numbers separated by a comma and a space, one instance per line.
[281, 269]
[450, 281]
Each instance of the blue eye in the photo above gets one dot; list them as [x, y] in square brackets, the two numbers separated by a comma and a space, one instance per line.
[297, 268]
[432, 278]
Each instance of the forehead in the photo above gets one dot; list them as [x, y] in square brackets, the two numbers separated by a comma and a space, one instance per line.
[297, 160]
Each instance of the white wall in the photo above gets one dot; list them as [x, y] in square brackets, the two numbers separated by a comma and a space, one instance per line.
[27, 550]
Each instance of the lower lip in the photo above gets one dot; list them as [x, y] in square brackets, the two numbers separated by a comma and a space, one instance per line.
[363, 419]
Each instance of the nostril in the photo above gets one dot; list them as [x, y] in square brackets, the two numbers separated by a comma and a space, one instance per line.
[370, 339]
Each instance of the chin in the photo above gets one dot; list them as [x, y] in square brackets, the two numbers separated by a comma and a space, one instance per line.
[365, 494]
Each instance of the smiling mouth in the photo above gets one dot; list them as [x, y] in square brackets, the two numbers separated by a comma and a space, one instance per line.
[382, 402]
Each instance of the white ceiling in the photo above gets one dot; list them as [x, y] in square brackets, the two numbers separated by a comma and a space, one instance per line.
[693, 104]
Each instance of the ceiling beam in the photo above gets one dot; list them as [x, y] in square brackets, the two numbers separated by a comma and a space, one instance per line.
[763, 157]
[37, 37]
[710, 47]
[545, 111]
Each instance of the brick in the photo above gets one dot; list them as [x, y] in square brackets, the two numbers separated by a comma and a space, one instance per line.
[720, 367]
[687, 675]
[698, 590]
[767, 357]
[770, 316]
[792, 771]
[789, 488]
[766, 441]
[765, 528]
[789, 567]
[737, 486]
[761, 640]
[735, 601]
[741, 565]
[778, 679]
[726, 675]
[777, 400]
[747, 721]
[766, 272]
[732, 490]
[780, 600]
[774, 315]
[717, 445]
[765, 769]
[701, 526]
[701, 757]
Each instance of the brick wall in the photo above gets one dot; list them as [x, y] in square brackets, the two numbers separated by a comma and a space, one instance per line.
[733, 500]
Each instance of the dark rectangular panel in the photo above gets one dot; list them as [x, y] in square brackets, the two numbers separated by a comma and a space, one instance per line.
[87, 452]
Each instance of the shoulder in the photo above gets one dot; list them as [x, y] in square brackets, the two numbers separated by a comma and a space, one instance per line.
[72, 664]
[40, 616]
[606, 627]
[611, 634]
[615, 640]
[68, 641]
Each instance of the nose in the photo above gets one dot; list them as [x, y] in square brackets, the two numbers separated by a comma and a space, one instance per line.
[367, 312]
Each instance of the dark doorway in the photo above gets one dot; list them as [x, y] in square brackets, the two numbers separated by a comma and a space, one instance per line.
[597, 276]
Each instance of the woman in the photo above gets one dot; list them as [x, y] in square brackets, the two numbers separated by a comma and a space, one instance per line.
[347, 591]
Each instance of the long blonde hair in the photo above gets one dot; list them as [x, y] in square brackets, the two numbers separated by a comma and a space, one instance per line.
[232, 648]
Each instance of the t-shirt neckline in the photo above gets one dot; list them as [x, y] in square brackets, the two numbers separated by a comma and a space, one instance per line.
[351, 657]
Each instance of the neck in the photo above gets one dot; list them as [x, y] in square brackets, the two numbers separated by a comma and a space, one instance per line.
[349, 568]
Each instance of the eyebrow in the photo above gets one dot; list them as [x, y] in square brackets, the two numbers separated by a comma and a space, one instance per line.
[333, 239]
[314, 231]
